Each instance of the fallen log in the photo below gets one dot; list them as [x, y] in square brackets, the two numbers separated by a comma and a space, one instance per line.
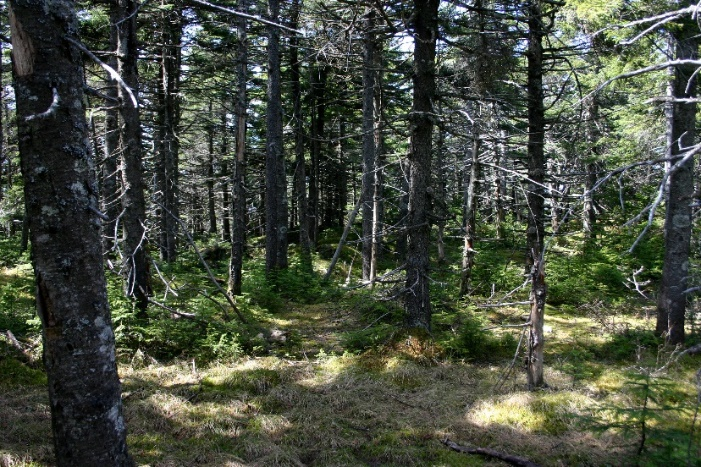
[508, 458]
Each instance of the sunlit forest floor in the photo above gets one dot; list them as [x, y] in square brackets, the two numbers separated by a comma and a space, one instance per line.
[332, 382]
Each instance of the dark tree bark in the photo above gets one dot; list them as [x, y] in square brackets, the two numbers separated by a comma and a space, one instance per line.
[300, 179]
[681, 120]
[137, 285]
[417, 300]
[168, 116]
[238, 192]
[536, 201]
[61, 199]
[275, 183]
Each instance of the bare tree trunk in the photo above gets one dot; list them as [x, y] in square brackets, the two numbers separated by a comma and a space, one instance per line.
[137, 285]
[238, 193]
[109, 189]
[468, 251]
[211, 207]
[300, 163]
[402, 237]
[417, 300]
[169, 111]
[342, 241]
[62, 206]
[275, 183]
[378, 210]
[370, 82]
[681, 118]
[224, 175]
[441, 207]
[536, 201]
[500, 187]
[318, 122]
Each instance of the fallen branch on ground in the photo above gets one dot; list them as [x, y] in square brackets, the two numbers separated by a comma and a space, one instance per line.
[508, 458]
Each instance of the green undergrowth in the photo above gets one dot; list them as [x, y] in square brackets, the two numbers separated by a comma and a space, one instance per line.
[319, 375]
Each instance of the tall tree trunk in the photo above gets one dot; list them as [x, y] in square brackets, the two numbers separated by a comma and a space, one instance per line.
[338, 206]
[238, 192]
[370, 82]
[109, 188]
[417, 300]
[300, 178]
[317, 133]
[378, 210]
[536, 200]
[123, 17]
[275, 183]
[169, 112]
[211, 205]
[441, 207]
[500, 186]
[224, 175]
[60, 195]
[402, 224]
[468, 252]
[681, 120]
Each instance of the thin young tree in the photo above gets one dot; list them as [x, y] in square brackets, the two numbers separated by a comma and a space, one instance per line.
[535, 234]
[238, 192]
[370, 83]
[62, 207]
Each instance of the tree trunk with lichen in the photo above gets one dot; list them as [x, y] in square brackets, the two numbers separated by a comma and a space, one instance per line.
[62, 206]
[536, 191]
[681, 120]
[417, 300]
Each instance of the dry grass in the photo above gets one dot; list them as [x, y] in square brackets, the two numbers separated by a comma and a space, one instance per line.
[383, 408]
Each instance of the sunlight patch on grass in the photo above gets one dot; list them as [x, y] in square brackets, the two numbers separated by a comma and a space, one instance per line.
[551, 413]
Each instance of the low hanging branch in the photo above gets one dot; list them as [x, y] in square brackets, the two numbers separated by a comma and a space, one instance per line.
[508, 458]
